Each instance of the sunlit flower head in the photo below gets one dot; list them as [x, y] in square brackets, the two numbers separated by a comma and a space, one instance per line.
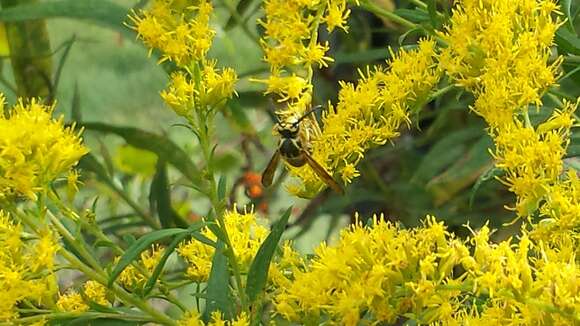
[35, 149]
[246, 236]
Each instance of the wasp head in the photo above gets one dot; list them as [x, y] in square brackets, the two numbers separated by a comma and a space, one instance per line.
[287, 129]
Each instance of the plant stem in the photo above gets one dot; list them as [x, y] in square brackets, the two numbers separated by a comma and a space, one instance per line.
[368, 5]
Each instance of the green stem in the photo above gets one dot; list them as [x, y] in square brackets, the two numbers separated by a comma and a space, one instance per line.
[97, 275]
[202, 123]
[368, 5]
[119, 292]
[75, 243]
[98, 233]
[67, 315]
[440, 92]
[240, 21]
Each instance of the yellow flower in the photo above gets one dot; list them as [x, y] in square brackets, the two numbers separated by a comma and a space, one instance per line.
[72, 302]
[26, 268]
[291, 46]
[96, 292]
[181, 33]
[245, 234]
[374, 269]
[35, 149]
[368, 115]
[131, 278]
[191, 318]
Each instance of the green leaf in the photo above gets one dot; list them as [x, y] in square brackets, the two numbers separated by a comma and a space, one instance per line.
[258, 273]
[241, 8]
[462, 173]
[237, 114]
[160, 198]
[160, 145]
[218, 295]
[159, 268]
[67, 47]
[75, 107]
[222, 187]
[567, 41]
[362, 56]
[414, 15]
[432, 10]
[444, 152]
[132, 253]
[103, 12]
[490, 174]
[565, 5]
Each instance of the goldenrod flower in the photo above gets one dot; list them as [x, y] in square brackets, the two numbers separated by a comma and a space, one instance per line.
[96, 292]
[35, 149]
[381, 270]
[132, 278]
[181, 32]
[291, 47]
[368, 115]
[245, 234]
[72, 302]
[26, 268]
[191, 318]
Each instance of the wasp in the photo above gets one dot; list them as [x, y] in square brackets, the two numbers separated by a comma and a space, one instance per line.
[294, 148]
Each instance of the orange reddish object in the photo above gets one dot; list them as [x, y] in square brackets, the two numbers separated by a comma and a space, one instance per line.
[251, 178]
[255, 191]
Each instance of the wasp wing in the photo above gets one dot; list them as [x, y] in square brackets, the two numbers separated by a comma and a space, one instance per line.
[322, 174]
[268, 174]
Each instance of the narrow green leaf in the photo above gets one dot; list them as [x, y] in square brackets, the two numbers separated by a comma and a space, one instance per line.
[160, 145]
[132, 253]
[362, 56]
[432, 10]
[160, 198]
[222, 187]
[159, 268]
[444, 152]
[241, 8]
[414, 15]
[56, 80]
[490, 174]
[258, 274]
[237, 114]
[567, 41]
[218, 292]
[75, 107]
[566, 5]
[104, 12]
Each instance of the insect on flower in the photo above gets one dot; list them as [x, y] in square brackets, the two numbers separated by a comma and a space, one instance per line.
[294, 148]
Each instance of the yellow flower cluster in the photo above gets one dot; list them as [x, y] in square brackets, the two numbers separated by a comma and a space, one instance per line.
[73, 301]
[369, 114]
[245, 234]
[380, 273]
[192, 318]
[499, 50]
[132, 278]
[291, 46]
[26, 268]
[180, 31]
[34, 149]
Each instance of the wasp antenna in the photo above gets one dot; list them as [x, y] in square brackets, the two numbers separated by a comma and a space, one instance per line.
[314, 109]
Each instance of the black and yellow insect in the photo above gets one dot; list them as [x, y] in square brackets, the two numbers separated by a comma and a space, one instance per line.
[294, 148]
